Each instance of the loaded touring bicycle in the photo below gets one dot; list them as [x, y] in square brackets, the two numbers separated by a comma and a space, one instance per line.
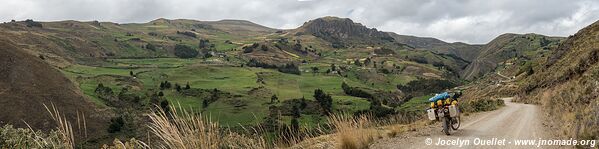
[444, 108]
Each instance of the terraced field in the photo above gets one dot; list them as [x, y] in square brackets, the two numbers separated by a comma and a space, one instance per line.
[115, 73]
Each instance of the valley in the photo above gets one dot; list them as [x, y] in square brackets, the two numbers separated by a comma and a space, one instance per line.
[108, 77]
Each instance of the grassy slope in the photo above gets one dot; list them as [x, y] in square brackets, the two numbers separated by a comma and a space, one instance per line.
[514, 47]
[566, 85]
[236, 80]
[84, 45]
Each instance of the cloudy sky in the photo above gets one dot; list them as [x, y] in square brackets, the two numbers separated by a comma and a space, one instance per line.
[470, 21]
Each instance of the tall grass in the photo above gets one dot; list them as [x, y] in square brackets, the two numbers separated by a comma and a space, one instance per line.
[64, 128]
[181, 129]
[186, 130]
[353, 132]
[61, 137]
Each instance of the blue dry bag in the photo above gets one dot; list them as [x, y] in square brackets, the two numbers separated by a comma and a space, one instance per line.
[441, 96]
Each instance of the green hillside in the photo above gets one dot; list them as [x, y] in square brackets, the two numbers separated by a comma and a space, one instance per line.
[244, 75]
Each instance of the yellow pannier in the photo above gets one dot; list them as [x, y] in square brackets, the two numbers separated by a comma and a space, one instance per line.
[455, 102]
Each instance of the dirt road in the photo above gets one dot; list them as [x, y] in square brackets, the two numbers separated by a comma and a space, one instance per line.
[514, 121]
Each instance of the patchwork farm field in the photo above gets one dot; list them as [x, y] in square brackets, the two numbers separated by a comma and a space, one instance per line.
[244, 107]
[285, 85]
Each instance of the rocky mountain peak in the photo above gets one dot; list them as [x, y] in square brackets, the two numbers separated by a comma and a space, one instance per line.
[335, 29]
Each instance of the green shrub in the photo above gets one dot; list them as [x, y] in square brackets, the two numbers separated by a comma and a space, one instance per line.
[263, 48]
[250, 49]
[150, 46]
[184, 51]
[355, 91]
[103, 91]
[11, 137]
[188, 33]
[116, 124]
[205, 43]
[290, 69]
[325, 100]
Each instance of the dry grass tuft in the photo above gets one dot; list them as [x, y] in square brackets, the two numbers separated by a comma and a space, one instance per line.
[183, 129]
[353, 132]
[62, 137]
[186, 130]
[64, 128]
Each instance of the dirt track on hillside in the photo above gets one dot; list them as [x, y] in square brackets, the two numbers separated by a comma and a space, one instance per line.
[514, 121]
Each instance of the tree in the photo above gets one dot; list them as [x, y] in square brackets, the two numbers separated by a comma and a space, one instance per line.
[271, 122]
[247, 50]
[150, 46]
[296, 111]
[303, 103]
[355, 91]
[256, 63]
[205, 43]
[103, 91]
[314, 70]
[131, 74]
[529, 71]
[357, 62]
[162, 86]
[188, 33]
[250, 49]
[116, 124]
[333, 67]
[160, 94]
[154, 99]
[337, 45]
[167, 84]
[345, 87]
[384, 70]
[214, 96]
[263, 48]
[290, 68]
[178, 87]
[274, 98]
[187, 86]
[165, 106]
[367, 61]
[184, 51]
[153, 34]
[205, 104]
[325, 100]
[294, 124]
